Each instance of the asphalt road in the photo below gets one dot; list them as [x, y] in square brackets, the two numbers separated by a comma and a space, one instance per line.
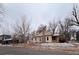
[27, 51]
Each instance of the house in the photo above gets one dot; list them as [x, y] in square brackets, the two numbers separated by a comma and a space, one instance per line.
[47, 37]
[5, 39]
[74, 32]
[73, 35]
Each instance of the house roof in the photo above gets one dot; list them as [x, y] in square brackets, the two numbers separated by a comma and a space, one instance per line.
[47, 33]
[5, 37]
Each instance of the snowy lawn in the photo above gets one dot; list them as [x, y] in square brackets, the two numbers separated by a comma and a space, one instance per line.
[56, 45]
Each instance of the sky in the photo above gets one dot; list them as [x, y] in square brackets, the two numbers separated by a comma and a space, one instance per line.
[37, 13]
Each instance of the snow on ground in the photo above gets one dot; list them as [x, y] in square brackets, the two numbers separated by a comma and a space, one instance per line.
[5, 45]
[57, 45]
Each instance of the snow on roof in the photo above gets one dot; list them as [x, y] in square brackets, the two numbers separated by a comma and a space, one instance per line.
[7, 39]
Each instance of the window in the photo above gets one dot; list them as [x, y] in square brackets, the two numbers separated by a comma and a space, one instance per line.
[47, 38]
[53, 38]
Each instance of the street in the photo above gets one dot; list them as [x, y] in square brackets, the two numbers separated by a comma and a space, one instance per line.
[6, 50]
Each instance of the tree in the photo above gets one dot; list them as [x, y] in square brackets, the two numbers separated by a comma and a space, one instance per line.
[64, 30]
[41, 28]
[52, 27]
[22, 29]
[75, 15]
[75, 18]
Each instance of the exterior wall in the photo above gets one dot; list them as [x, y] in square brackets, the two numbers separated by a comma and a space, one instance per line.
[34, 40]
[39, 39]
[73, 37]
[48, 38]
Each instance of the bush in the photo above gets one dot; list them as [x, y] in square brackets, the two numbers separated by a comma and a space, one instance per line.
[62, 40]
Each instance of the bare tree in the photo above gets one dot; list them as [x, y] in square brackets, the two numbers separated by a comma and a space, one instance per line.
[22, 29]
[75, 20]
[41, 28]
[64, 30]
[52, 27]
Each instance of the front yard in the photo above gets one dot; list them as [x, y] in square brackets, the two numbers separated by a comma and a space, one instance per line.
[51, 46]
[72, 48]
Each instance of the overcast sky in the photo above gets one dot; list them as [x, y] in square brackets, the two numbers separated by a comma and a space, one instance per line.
[37, 13]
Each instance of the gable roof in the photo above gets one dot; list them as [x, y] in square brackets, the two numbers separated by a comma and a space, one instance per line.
[47, 33]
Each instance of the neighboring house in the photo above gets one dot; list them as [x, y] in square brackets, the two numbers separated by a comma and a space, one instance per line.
[74, 31]
[73, 35]
[46, 38]
[5, 39]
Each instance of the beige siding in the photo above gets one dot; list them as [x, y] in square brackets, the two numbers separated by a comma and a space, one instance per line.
[49, 38]
[34, 40]
[38, 39]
